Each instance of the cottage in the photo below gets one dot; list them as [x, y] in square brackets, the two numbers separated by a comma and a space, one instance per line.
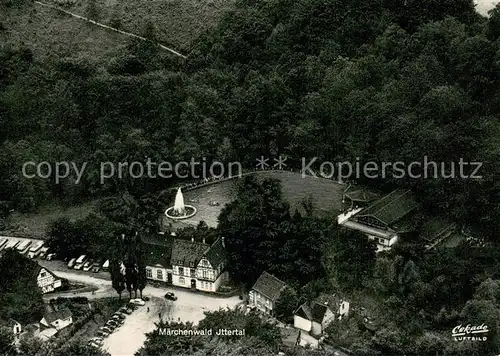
[314, 317]
[57, 319]
[198, 265]
[12, 325]
[45, 279]
[265, 292]
[386, 219]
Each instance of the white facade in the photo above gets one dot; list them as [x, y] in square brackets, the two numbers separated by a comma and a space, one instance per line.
[203, 277]
[47, 282]
[158, 273]
[260, 301]
[301, 323]
[58, 324]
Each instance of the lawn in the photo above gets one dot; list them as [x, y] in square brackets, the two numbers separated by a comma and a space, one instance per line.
[51, 33]
[326, 196]
[35, 225]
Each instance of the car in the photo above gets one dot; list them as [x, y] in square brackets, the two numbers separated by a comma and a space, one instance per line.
[79, 266]
[118, 316]
[71, 263]
[102, 333]
[126, 310]
[138, 301]
[87, 266]
[96, 340]
[117, 321]
[94, 344]
[132, 306]
[170, 296]
[96, 267]
[112, 324]
[107, 329]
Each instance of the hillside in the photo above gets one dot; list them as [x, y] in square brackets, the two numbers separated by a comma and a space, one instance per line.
[51, 33]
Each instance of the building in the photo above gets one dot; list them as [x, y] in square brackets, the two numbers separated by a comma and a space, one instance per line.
[45, 279]
[386, 219]
[314, 317]
[198, 265]
[265, 292]
[159, 252]
[12, 325]
[57, 319]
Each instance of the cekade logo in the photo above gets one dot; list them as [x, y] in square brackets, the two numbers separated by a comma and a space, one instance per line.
[470, 332]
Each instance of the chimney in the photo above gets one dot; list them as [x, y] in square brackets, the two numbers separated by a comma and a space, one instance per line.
[123, 236]
[192, 239]
[204, 241]
[223, 242]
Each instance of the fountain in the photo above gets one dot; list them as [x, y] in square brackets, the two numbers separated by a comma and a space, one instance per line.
[180, 210]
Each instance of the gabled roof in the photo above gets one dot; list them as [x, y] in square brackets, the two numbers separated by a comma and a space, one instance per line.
[392, 207]
[187, 253]
[316, 310]
[269, 286]
[216, 254]
[61, 314]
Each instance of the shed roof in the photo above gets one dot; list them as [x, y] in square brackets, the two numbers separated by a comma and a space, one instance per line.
[269, 286]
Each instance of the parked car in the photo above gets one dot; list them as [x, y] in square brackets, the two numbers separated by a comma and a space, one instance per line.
[118, 316]
[126, 310]
[87, 266]
[170, 296]
[71, 263]
[138, 301]
[96, 267]
[107, 329]
[102, 333]
[112, 324]
[78, 266]
[97, 340]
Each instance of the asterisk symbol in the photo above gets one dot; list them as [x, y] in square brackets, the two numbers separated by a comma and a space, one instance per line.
[262, 162]
[280, 162]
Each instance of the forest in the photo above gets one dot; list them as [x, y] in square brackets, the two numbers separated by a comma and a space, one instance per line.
[390, 81]
[381, 81]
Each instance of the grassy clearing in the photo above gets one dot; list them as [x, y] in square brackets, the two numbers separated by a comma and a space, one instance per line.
[326, 196]
[35, 225]
[51, 33]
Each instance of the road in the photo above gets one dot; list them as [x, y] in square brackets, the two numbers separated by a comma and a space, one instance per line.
[131, 335]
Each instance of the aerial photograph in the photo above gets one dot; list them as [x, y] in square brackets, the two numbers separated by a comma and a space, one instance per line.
[250, 177]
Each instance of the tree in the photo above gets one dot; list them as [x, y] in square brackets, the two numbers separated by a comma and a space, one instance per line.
[286, 304]
[79, 349]
[7, 342]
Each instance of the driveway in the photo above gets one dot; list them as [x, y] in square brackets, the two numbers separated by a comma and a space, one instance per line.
[130, 336]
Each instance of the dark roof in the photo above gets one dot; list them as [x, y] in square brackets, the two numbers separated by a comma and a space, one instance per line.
[316, 310]
[187, 253]
[392, 207]
[313, 311]
[60, 314]
[269, 286]
[158, 249]
[216, 254]
[158, 255]
[30, 267]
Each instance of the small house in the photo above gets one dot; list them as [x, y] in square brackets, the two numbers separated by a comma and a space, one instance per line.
[265, 292]
[57, 318]
[314, 317]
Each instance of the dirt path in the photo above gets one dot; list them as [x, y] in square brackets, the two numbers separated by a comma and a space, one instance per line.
[108, 27]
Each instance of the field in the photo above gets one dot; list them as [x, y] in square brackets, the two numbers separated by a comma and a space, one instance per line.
[326, 196]
[35, 225]
[51, 33]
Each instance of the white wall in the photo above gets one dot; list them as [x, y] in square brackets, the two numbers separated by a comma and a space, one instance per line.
[301, 323]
